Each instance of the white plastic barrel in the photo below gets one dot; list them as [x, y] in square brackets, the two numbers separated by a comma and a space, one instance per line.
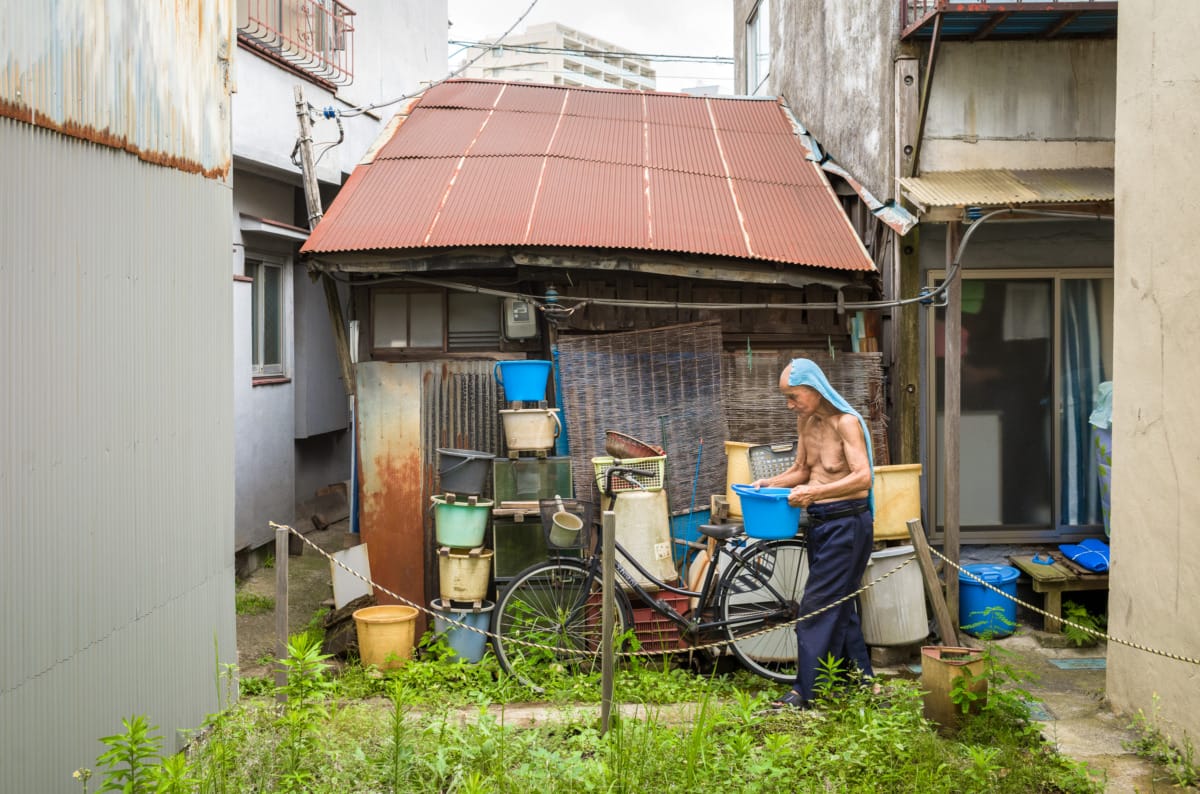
[893, 611]
[644, 529]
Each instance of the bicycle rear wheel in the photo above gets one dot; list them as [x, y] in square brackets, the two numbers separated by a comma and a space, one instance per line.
[761, 591]
[548, 622]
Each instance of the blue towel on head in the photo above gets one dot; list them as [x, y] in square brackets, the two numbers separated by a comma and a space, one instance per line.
[807, 373]
[1090, 554]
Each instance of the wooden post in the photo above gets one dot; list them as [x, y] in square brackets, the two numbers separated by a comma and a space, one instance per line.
[933, 587]
[281, 609]
[906, 348]
[312, 201]
[609, 528]
[952, 412]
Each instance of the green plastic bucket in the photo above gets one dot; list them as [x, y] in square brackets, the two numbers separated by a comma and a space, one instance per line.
[459, 524]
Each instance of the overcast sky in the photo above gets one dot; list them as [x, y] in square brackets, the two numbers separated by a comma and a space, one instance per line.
[675, 27]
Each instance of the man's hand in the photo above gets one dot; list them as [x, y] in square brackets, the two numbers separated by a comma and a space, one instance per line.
[802, 496]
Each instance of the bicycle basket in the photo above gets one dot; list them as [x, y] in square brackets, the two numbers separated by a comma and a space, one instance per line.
[566, 535]
[768, 460]
[651, 479]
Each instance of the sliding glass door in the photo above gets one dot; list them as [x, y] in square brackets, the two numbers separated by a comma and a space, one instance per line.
[1034, 347]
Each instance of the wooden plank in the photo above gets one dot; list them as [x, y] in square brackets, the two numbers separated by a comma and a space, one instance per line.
[933, 587]
[952, 411]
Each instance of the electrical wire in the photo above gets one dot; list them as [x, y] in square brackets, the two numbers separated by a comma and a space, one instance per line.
[358, 111]
[928, 298]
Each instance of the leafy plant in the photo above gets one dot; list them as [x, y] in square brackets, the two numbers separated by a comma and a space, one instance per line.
[1078, 614]
[307, 684]
[131, 757]
[991, 623]
[252, 603]
[1153, 744]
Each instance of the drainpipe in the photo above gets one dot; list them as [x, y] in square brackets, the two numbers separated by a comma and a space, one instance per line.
[562, 446]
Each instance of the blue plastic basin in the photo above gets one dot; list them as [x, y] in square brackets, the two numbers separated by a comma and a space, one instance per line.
[766, 513]
[523, 380]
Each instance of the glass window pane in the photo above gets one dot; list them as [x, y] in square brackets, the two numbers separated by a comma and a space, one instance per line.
[428, 320]
[254, 271]
[272, 311]
[389, 318]
[1005, 437]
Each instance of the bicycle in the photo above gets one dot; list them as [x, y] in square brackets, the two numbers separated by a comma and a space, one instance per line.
[549, 614]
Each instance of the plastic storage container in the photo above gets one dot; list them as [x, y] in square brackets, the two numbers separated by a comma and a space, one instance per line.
[983, 612]
[460, 524]
[530, 429]
[464, 575]
[523, 380]
[893, 611]
[737, 469]
[897, 500]
[644, 529]
[385, 634]
[766, 513]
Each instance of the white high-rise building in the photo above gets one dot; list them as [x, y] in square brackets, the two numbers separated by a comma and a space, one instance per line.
[556, 54]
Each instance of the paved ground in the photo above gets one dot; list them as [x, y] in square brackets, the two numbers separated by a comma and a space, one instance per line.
[1077, 718]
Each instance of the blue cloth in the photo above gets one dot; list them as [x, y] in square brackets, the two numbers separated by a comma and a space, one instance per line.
[806, 373]
[1090, 554]
[838, 552]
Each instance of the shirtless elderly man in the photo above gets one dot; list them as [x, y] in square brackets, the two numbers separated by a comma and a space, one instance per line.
[832, 478]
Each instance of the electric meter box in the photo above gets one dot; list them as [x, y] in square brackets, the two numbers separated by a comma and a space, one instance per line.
[520, 319]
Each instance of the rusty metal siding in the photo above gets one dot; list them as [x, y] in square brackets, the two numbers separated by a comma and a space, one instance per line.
[149, 78]
[116, 464]
[406, 412]
[593, 168]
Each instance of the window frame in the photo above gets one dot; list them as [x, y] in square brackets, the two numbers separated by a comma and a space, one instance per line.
[408, 351]
[759, 21]
[253, 268]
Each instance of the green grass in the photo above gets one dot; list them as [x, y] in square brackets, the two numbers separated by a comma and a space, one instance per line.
[405, 732]
[251, 603]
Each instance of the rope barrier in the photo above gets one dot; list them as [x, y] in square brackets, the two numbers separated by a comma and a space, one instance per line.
[1093, 632]
[582, 652]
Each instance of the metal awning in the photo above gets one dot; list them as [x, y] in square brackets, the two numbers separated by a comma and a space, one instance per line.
[1005, 187]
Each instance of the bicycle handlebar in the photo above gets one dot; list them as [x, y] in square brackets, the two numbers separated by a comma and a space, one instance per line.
[625, 473]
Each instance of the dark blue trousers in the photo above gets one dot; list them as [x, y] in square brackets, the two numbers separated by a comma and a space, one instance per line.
[838, 552]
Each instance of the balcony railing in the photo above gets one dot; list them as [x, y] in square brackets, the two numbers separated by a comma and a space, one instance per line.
[1009, 19]
[312, 36]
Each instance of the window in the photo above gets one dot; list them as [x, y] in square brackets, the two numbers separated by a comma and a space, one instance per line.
[1034, 347]
[266, 316]
[758, 49]
[434, 321]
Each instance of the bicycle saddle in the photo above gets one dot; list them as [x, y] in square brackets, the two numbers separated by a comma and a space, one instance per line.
[721, 531]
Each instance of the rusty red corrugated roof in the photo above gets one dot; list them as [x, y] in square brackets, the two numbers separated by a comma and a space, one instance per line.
[488, 163]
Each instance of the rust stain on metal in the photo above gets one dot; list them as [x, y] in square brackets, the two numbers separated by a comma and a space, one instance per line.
[84, 132]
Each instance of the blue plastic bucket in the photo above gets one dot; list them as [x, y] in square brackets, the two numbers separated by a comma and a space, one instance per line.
[977, 605]
[522, 380]
[467, 645]
[766, 513]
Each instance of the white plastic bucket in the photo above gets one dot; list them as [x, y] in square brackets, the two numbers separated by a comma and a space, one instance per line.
[530, 428]
[893, 611]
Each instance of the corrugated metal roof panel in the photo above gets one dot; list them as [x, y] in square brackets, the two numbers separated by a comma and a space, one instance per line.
[624, 169]
[446, 133]
[1004, 186]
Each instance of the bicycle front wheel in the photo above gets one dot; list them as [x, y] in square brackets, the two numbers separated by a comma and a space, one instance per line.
[548, 622]
[759, 598]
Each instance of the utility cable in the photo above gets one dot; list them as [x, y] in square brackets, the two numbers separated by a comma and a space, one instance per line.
[358, 111]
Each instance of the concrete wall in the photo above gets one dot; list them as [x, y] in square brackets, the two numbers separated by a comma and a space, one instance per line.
[1021, 104]
[1155, 580]
[832, 60]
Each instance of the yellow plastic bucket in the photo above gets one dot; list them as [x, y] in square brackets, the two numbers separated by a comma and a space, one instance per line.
[385, 635]
[897, 499]
[737, 470]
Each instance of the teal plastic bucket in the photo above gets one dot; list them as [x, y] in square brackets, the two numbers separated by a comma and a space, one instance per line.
[460, 525]
[983, 612]
[522, 380]
[467, 645]
[766, 513]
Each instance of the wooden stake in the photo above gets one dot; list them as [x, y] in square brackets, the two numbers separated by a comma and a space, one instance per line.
[609, 527]
[281, 610]
[933, 587]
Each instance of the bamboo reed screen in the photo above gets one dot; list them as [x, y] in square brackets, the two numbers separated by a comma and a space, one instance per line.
[662, 386]
[757, 414]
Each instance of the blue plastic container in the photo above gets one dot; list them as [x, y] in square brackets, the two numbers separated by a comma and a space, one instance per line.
[467, 645]
[977, 605]
[686, 527]
[522, 380]
[766, 513]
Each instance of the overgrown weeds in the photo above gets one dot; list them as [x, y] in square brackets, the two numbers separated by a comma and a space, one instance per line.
[1178, 758]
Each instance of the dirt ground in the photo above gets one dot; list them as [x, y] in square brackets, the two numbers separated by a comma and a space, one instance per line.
[310, 590]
